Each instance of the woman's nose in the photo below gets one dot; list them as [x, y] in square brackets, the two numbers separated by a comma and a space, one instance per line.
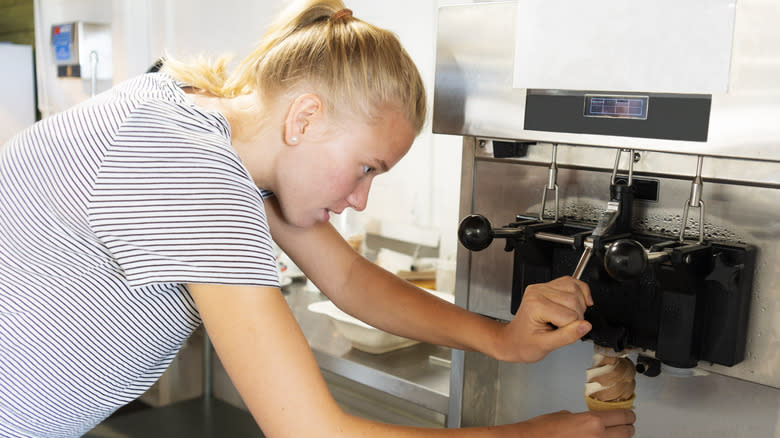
[359, 197]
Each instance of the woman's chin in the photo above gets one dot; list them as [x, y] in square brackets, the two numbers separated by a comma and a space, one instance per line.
[306, 221]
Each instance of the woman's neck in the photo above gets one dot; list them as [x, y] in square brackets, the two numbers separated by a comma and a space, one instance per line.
[250, 132]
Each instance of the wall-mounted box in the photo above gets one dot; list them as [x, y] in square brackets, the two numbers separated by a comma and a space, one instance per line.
[80, 48]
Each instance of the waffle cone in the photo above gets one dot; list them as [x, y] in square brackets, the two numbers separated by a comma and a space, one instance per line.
[598, 405]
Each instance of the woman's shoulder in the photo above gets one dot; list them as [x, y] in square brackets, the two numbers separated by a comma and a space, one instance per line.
[149, 87]
[160, 101]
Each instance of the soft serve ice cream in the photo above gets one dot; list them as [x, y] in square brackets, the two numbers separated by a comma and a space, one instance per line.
[610, 383]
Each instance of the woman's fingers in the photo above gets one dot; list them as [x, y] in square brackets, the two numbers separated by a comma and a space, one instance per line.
[551, 315]
[571, 284]
[616, 417]
[559, 301]
[620, 431]
[557, 314]
[565, 335]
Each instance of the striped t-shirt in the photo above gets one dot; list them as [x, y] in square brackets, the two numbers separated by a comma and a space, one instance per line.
[106, 211]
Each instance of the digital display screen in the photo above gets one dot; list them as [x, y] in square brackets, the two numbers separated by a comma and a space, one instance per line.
[622, 107]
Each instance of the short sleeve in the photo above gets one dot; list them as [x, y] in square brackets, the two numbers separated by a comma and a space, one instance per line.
[172, 203]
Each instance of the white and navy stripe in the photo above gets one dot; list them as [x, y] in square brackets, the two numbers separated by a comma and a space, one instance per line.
[106, 211]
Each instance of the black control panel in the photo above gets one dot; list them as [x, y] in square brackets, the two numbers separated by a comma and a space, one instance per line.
[626, 114]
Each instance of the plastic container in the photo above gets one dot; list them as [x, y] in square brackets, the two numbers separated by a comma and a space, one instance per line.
[363, 336]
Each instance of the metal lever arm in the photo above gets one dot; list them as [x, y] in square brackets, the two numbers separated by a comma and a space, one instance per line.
[584, 259]
[606, 222]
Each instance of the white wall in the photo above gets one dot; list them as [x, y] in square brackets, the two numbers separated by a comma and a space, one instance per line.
[17, 105]
[56, 94]
[147, 29]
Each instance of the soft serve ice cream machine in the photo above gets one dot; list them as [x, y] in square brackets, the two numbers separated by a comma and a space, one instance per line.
[686, 298]
[657, 188]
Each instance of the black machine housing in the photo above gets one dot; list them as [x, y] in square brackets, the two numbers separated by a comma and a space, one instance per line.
[691, 306]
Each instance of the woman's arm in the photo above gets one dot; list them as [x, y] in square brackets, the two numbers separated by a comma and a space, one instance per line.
[269, 361]
[381, 299]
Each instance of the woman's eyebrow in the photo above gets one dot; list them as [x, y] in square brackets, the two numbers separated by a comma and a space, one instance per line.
[381, 164]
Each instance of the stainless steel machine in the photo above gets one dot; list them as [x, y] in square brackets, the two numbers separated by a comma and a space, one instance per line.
[666, 203]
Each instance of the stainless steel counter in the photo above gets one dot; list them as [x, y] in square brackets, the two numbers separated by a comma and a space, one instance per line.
[419, 374]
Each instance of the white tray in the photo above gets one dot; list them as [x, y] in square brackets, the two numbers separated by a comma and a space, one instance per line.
[363, 336]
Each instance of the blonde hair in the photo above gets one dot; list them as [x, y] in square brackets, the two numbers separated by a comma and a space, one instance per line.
[350, 63]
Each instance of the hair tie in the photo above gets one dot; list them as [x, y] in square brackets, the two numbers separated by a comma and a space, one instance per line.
[341, 14]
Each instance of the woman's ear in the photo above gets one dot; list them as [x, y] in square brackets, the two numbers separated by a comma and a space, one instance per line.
[304, 109]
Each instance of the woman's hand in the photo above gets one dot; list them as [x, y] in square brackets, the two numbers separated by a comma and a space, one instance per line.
[550, 316]
[618, 423]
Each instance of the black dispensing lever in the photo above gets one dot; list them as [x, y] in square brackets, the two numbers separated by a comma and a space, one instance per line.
[626, 259]
[476, 233]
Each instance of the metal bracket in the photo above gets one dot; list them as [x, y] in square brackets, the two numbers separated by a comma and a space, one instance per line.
[552, 184]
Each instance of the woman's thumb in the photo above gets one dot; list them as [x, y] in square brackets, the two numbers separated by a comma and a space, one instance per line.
[568, 334]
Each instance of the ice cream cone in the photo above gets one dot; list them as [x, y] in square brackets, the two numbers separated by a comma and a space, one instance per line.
[598, 405]
[610, 383]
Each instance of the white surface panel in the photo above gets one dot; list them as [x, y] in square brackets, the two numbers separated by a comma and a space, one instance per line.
[659, 46]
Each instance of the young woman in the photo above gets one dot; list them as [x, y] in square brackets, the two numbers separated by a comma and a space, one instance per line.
[130, 219]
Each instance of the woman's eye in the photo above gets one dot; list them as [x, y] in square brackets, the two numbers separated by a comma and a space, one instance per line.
[368, 169]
